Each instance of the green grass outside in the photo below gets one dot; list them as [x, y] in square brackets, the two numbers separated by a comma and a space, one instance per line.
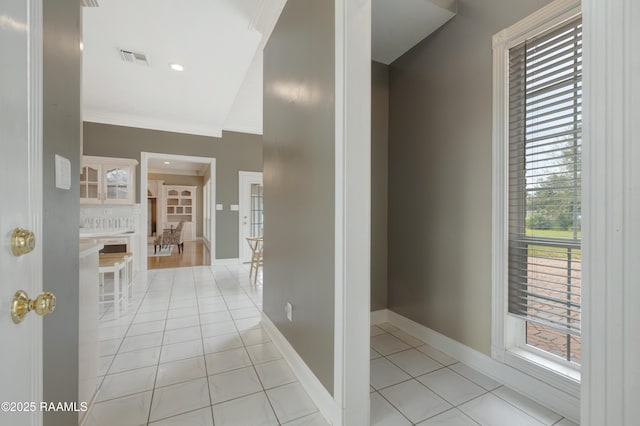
[552, 252]
[552, 233]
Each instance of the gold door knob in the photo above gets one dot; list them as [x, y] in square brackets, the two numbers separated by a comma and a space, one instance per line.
[44, 304]
[22, 242]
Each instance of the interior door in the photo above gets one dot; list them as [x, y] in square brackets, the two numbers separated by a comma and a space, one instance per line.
[251, 211]
[21, 207]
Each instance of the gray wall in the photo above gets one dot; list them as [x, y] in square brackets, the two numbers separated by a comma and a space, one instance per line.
[186, 180]
[61, 135]
[379, 183]
[299, 147]
[233, 152]
[440, 173]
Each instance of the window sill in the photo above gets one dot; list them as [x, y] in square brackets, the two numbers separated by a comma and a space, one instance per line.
[556, 374]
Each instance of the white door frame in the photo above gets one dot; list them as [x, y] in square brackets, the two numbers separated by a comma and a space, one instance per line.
[243, 179]
[611, 207]
[352, 211]
[144, 185]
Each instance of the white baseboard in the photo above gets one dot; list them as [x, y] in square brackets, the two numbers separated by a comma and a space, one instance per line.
[561, 402]
[316, 390]
[225, 262]
[378, 317]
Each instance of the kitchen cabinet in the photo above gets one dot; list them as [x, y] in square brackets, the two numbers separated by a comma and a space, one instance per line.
[106, 180]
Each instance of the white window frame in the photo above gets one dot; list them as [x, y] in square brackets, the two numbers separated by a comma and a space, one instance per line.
[507, 330]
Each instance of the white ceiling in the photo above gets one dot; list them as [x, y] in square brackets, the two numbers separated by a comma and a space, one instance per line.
[398, 25]
[219, 42]
[215, 40]
[176, 167]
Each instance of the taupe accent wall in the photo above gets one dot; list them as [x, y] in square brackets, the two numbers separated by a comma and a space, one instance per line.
[187, 180]
[233, 152]
[299, 149]
[61, 223]
[440, 173]
[379, 183]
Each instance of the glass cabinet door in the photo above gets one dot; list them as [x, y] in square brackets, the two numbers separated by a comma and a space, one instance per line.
[90, 191]
[117, 184]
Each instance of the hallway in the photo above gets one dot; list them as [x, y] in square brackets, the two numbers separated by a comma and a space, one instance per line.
[192, 351]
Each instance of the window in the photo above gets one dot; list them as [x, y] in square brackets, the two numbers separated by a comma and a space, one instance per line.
[537, 194]
[545, 128]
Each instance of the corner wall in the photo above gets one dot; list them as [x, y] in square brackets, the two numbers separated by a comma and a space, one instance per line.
[440, 173]
[233, 152]
[379, 183]
[299, 176]
[62, 62]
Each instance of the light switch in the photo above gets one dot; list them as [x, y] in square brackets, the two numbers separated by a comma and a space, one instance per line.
[219, 207]
[235, 207]
[63, 172]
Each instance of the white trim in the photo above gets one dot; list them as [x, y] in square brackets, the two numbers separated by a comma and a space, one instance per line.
[128, 120]
[316, 390]
[352, 210]
[144, 177]
[34, 329]
[379, 317]
[611, 207]
[549, 396]
[548, 16]
[249, 130]
[242, 178]
[506, 329]
[181, 172]
[227, 262]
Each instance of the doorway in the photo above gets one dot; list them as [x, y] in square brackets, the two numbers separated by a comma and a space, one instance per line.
[176, 203]
[251, 217]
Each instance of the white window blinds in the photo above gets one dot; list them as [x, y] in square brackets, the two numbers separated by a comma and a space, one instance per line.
[545, 128]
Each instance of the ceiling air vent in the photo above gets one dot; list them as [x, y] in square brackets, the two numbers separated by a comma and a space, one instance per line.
[89, 3]
[134, 57]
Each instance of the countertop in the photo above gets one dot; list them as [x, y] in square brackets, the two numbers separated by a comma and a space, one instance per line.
[93, 233]
[88, 247]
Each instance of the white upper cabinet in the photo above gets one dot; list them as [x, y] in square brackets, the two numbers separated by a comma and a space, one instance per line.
[107, 180]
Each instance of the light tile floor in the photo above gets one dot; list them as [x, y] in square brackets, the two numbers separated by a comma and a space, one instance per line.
[190, 351]
[415, 384]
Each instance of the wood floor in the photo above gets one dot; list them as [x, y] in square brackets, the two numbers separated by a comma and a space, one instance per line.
[195, 254]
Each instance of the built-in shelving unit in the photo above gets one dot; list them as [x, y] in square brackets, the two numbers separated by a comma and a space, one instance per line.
[180, 205]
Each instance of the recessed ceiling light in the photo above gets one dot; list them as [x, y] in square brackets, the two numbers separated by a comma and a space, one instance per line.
[167, 162]
[176, 67]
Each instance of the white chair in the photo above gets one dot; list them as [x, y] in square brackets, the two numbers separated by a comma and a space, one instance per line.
[115, 266]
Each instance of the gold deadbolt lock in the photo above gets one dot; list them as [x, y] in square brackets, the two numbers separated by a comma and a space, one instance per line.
[44, 304]
[22, 242]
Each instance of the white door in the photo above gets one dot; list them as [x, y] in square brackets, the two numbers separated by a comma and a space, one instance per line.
[21, 206]
[251, 211]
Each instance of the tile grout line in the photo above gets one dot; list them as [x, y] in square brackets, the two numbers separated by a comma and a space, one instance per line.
[456, 406]
[251, 360]
[204, 355]
[155, 380]
[412, 377]
[121, 339]
[393, 406]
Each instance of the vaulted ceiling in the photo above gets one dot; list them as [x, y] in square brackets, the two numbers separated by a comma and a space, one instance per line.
[219, 43]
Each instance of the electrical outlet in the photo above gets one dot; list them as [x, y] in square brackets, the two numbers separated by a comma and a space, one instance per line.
[289, 311]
